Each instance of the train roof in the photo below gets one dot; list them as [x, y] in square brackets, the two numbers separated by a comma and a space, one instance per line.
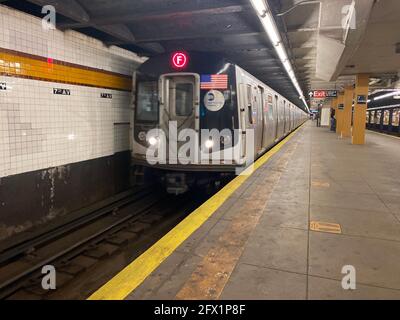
[197, 62]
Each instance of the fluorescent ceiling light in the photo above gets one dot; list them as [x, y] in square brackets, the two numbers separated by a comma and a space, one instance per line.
[270, 28]
[287, 65]
[268, 22]
[280, 50]
[259, 6]
[387, 95]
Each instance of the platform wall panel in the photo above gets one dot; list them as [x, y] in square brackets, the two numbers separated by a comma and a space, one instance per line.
[65, 120]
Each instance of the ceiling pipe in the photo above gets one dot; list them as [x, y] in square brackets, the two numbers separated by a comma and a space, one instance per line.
[301, 3]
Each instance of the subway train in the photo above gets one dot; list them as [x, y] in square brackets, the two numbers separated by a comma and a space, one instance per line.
[384, 119]
[227, 117]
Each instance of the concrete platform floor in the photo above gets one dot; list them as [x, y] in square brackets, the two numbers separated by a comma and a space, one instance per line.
[259, 245]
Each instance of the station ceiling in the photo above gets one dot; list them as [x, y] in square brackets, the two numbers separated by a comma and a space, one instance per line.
[328, 53]
[150, 27]
[325, 51]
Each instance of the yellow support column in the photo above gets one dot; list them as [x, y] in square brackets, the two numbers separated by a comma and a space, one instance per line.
[334, 104]
[347, 112]
[339, 113]
[360, 108]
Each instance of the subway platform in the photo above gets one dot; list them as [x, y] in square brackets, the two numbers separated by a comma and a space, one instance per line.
[316, 204]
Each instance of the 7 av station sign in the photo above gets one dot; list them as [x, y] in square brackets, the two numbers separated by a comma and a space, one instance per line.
[322, 94]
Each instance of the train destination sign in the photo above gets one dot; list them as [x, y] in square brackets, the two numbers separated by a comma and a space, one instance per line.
[322, 94]
[179, 60]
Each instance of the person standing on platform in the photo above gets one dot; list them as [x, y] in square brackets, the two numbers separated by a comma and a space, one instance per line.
[318, 116]
[333, 120]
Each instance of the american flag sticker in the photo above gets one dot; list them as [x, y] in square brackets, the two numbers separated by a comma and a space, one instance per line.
[214, 81]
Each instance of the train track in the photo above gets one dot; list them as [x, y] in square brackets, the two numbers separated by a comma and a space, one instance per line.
[86, 239]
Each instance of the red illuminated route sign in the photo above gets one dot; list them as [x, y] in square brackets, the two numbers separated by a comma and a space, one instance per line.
[322, 94]
[319, 94]
[180, 60]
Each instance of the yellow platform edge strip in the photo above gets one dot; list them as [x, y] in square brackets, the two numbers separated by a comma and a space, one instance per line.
[125, 282]
[384, 134]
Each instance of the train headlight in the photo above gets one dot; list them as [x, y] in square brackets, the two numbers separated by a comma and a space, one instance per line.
[142, 136]
[153, 141]
[209, 144]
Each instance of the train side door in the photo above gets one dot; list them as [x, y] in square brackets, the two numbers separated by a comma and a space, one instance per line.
[276, 113]
[259, 125]
[270, 124]
[284, 118]
[250, 121]
[293, 116]
[265, 117]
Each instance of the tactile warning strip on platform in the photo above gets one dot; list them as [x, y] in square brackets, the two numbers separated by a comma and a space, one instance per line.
[327, 227]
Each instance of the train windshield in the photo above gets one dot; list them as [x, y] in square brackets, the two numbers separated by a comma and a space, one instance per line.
[147, 101]
[183, 99]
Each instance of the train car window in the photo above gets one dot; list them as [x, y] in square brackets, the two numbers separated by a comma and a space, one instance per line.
[378, 115]
[250, 112]
[396, 118]
[184, 99]
[386, 117]
[250, 104]
[147, 101]
[249, 95]
[374, 114]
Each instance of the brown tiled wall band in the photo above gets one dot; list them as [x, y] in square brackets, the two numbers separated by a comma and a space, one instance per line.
[22, 65]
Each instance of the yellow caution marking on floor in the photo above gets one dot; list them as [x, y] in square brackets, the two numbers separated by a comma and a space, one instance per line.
[320, 184]
[326, 227]
[125, 282]
[212, 274]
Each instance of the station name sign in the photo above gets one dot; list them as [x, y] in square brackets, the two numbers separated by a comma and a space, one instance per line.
[106, 95]
[64, 92]
[322, 94]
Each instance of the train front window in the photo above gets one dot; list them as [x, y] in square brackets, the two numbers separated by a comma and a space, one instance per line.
[147, 101]
[184, 99]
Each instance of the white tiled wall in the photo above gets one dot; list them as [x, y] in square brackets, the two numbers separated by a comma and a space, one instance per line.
[38, 129]
[23, 32]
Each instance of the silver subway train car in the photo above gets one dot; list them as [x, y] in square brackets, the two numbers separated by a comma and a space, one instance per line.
[203, 117]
